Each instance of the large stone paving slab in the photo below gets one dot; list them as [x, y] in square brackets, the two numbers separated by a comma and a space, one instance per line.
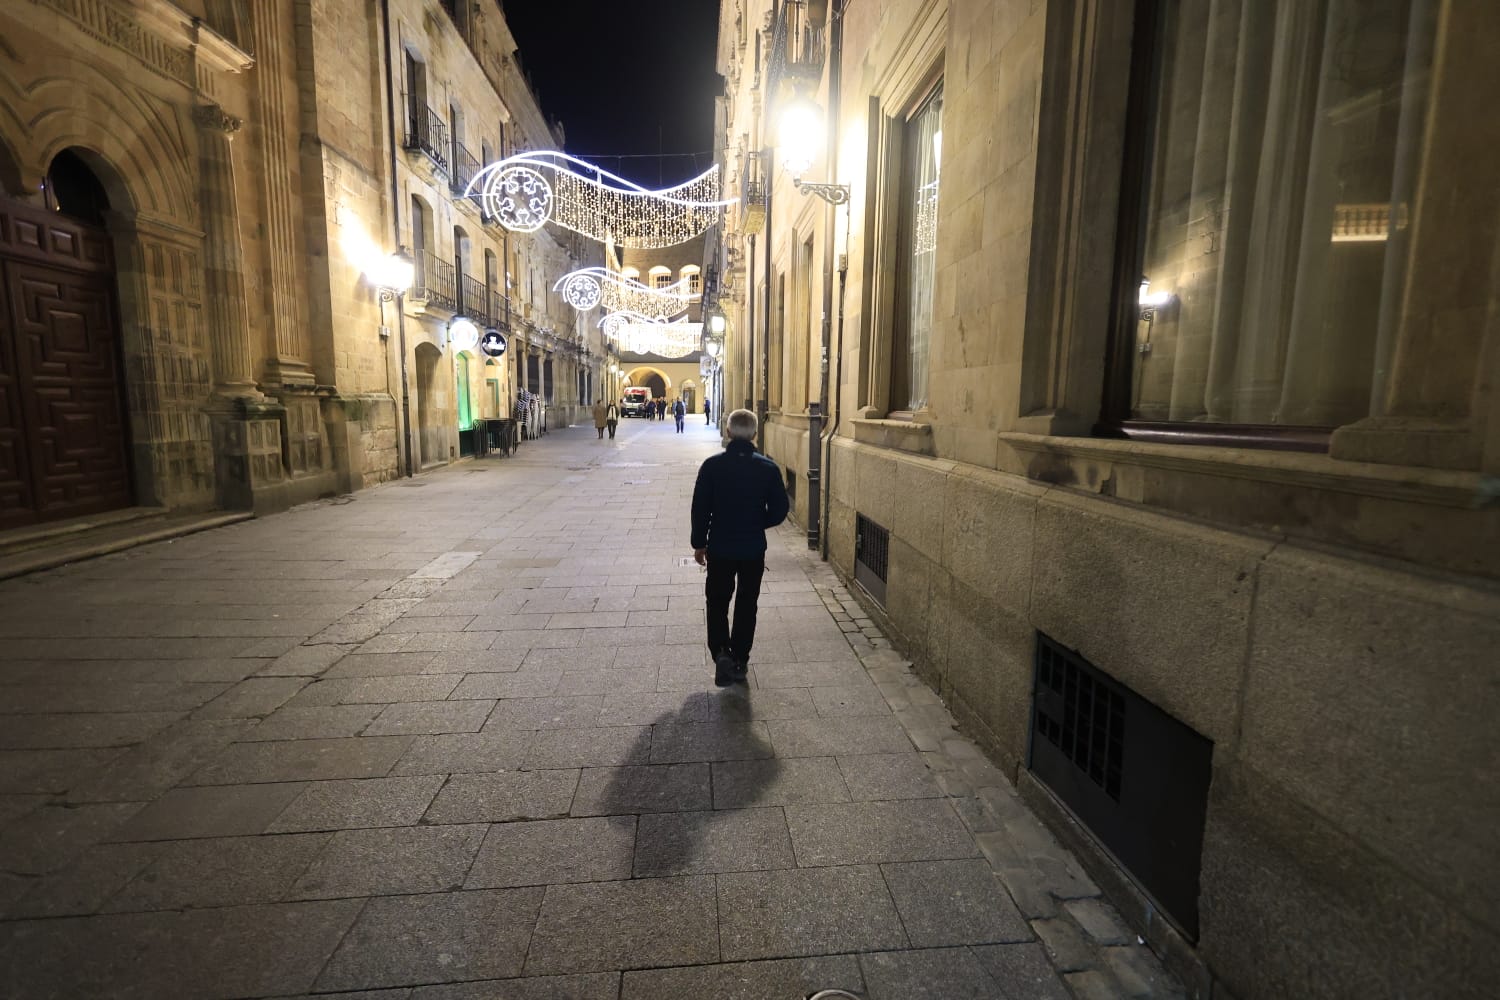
[954, 902]
[210, 811]
[443, 938]
[247, 951]
[806, 912]
[303, 760]
[626, 925]
[725, 840]
[549, 852]
[786, 979]
[864, 832]
[219, 872]
[417, 859]
[504, 796]
[358, 802]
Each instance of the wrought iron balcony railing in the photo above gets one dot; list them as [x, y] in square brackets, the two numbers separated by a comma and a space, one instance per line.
[474, 299]
[464, 167]
[426, 132]
[434, 281]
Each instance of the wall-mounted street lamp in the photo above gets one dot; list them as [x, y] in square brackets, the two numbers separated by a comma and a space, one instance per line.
[393, 275]
[799, 138]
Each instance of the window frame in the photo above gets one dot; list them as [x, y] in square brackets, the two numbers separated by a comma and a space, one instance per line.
[1141, 116]
[902, 171]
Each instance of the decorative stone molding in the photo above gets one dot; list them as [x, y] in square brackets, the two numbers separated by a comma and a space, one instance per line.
[161, 35]
[215, 118]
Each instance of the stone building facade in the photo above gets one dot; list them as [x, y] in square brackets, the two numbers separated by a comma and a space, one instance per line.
[1162, 340]
[195, 195]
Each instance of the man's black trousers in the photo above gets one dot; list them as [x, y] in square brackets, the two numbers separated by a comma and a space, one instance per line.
[724, 577]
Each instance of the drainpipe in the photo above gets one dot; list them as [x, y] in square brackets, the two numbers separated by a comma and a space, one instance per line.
[390, 100]
[750, 328]
[764, 362]
[835, 97]
[818, 471]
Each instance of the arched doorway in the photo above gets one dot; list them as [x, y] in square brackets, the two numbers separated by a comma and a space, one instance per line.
[431, 432]
[651, 379]
[63, 437]
[689, 393]
[465, 406]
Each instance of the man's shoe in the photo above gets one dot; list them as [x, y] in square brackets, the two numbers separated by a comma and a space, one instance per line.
[741, 671]
[724, 670]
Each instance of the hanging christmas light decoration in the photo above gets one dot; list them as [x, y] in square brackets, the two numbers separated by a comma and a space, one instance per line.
[524, 191]
[591, 286]
[633, 333]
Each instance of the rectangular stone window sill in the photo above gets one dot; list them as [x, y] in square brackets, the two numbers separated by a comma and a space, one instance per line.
[902, 435]
[1406, 483]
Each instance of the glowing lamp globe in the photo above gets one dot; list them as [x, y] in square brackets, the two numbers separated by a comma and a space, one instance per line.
[395, 273]
[800, 136]
[463, 334]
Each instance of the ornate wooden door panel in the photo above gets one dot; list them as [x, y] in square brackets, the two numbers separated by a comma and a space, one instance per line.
[62, 429]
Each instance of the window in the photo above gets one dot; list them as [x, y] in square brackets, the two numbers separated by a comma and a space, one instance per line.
[416, 93]
[1265, 246]
[694, 279]
[661, 277]
[802, 374]
[921, 156]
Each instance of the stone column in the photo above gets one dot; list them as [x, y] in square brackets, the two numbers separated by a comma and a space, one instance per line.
[223, 258]
[277, 102]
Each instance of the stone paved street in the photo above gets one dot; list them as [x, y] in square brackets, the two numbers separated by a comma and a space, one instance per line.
[457, 737]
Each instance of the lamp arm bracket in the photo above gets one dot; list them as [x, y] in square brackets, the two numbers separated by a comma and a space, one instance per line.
[834, 194]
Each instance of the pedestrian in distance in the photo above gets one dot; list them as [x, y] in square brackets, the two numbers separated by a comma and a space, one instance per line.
[707, 410]
[612, 419]
[738, 495]
[601, 418]
[679, 413]
[661, 408]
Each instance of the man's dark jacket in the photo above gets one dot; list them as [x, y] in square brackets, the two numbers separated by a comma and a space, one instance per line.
[737, 497]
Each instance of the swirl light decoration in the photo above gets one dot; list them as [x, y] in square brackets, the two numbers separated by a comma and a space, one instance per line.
[526, 190]
[591, 286]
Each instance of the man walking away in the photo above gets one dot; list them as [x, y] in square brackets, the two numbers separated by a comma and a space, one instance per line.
[612, 419]
[679, 413]
[707, 408]
[738, 496]
[601, 417]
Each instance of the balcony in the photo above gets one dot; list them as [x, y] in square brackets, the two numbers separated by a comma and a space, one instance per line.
[474, 300]
[425, 132]
[434, 285]
[465, 166]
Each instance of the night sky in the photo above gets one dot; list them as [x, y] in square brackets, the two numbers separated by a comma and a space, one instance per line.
[628, 80]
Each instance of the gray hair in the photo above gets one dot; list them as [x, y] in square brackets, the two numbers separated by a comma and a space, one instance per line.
[742, 425]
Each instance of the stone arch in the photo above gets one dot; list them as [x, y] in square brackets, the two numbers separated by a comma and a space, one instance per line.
[10, 169]
[655, 379]
[153, 171]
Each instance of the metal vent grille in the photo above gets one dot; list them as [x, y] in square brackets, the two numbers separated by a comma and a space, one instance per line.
[872, 556]
[1135, 777]
[1083, 718]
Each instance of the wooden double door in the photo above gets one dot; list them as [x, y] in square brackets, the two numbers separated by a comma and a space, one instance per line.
[63, 437]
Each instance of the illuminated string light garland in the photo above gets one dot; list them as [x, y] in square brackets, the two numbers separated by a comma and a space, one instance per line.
[633, 333]
[591, 286]
[525, 191]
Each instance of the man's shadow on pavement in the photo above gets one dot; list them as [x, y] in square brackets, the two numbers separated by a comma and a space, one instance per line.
[697, 769]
